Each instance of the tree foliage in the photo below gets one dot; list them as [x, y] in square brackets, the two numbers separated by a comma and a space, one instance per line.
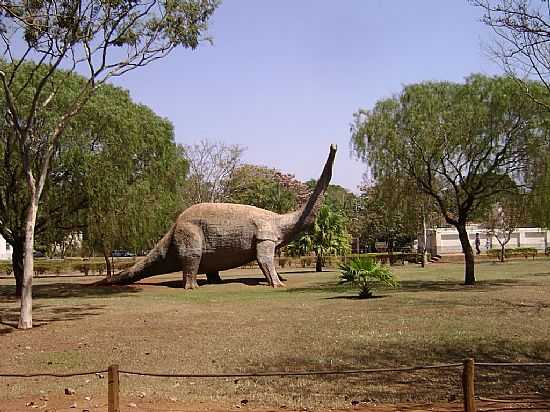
[327, 236]
[462, 144]
[391, 211]
[539, 197]
[115, 177]
[265, 188]
[134, 173]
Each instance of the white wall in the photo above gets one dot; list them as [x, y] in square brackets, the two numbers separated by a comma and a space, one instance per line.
[5, 250]
[446, 241]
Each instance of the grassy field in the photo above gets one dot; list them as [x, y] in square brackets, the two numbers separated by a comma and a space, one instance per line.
[314, 323]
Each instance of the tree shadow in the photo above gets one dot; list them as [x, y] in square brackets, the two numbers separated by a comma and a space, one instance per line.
[68, 290]
[454, 286]
[356, 297]
[329, 287]
[291, 272]
[178, 284]
[420, 385]
[44, 313]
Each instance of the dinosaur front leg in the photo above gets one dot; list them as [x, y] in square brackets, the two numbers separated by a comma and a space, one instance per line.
[265, 252]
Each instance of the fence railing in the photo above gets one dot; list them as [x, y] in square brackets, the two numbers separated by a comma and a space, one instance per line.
[467, 378]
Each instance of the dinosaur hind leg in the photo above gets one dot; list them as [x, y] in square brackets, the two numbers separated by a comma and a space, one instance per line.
[213, 277]
[188, 242]
[264, 254]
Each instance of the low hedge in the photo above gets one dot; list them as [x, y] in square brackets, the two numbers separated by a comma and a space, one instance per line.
[59, 267]
[514, 252]
[336, 261]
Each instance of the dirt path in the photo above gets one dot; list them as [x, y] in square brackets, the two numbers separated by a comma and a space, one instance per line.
[73, 403]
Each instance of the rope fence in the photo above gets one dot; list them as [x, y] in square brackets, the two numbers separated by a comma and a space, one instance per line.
[468, 373]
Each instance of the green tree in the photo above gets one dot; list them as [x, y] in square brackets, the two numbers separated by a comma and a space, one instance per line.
[463, 144]
[539, 197]
[114, 171]
[328, 236]
[99, 40]
[265, 188]
[337, 197]
[62, 193]
[134, 173]
[391, 212]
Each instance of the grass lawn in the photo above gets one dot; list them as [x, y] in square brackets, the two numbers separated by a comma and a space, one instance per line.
[244, 326]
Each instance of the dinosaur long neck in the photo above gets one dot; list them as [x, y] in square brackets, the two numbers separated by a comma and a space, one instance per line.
[295, 222]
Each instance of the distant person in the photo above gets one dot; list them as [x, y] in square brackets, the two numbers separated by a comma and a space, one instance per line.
[478, 242]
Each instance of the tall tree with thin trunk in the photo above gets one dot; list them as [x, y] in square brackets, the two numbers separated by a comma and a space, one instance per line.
[463, 144]
[98, 39]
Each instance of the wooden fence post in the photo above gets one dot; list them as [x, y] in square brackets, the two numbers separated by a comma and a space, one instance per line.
[468, 385]
[113, 393]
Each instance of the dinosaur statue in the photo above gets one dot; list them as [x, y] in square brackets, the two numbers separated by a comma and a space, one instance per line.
[210, 237]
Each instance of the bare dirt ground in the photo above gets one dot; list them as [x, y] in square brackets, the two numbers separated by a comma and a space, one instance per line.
[72, 403]
[243, 326]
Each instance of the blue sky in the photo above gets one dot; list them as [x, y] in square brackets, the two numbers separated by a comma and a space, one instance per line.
[284, 77]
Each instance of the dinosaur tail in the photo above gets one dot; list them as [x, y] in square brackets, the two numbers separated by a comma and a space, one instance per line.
[157, 262]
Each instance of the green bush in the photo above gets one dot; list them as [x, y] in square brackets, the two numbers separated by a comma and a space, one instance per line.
[366, 274]
[513, 252]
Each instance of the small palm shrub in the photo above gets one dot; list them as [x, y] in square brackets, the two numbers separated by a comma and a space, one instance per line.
[366, 274]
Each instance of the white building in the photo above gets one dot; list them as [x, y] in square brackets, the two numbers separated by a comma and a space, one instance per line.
[5, 249]
[440, 241]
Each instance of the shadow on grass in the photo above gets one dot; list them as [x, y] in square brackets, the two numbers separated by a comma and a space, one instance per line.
[45, 313]
[413, 286]
[453, 286]
[178, 284]
[355, 296]
[68, 290]
[290, 272]
[422, 385]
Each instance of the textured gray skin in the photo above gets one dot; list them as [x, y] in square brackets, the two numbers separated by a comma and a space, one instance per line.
[210, 237]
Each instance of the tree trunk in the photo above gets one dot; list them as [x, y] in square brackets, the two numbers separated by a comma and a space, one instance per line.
[502, 252]
[319, 263]
[469, 263]
[25, 316]
[425, 240]
[17, 265]
[108, 265]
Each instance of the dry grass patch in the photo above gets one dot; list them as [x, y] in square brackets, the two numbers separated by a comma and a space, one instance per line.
[314, 323]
